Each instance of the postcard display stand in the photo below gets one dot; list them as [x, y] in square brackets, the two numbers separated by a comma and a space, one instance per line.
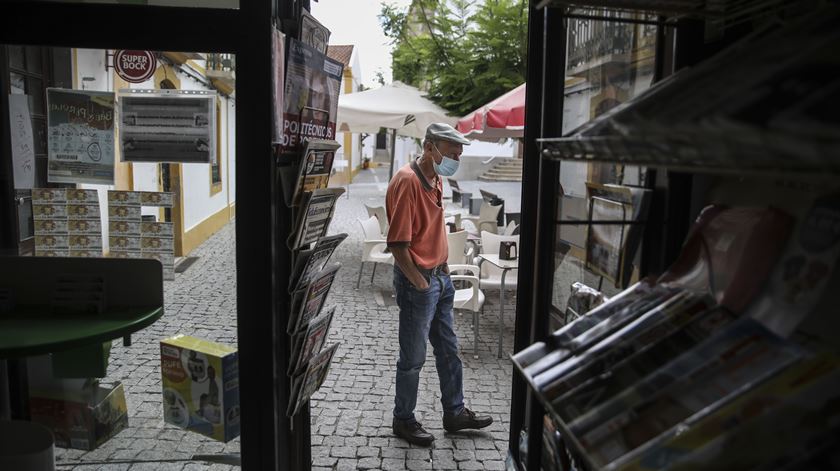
[305, 151]
[729, 359]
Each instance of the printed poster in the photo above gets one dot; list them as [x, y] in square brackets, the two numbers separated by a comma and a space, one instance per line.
[313, 82]
[168, 126]
[80, 136]
[23, 143]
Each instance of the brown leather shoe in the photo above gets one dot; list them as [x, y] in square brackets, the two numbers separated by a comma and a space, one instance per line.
[412, 432]
[466, 419]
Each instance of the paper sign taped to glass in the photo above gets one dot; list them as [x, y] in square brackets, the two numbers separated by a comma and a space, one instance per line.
[80, 136]
[168, 125]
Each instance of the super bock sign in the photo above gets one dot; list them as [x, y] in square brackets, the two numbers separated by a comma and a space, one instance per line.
[135, 66]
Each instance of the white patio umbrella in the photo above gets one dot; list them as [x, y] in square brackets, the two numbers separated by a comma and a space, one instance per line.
[396, 106]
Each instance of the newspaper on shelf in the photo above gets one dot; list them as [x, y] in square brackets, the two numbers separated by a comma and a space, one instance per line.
[308, 262]
[305, 384]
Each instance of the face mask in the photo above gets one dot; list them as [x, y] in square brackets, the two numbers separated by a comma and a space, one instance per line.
[447, 166]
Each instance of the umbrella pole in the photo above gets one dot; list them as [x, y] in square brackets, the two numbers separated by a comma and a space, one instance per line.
[393, 150]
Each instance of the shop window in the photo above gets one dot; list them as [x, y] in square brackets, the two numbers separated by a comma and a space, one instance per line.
[609, 62]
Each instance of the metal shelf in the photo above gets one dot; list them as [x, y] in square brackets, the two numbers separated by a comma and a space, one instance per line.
[721, 152]
[584, 462]
[763, 106]
[710, 9]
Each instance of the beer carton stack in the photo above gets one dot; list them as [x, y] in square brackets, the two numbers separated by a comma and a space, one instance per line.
[131, 237]
[67, 222]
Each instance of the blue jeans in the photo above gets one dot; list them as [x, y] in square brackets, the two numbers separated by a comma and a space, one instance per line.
[427, 314]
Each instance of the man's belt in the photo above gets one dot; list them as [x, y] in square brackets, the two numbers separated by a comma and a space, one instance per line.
[443, 268]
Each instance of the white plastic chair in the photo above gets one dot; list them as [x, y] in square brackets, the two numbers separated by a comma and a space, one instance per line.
[381, 216]
[374, 248]
[470, 297]
[511, 228]
[458, 252]
[491, 275]
[487, 219]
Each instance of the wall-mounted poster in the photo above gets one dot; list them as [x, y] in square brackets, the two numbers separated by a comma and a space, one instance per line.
[168, 126]
[80, 136]
[313, 82]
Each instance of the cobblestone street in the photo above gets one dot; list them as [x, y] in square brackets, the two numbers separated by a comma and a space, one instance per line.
[351, 414]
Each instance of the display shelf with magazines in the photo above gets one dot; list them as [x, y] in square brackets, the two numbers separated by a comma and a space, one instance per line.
[674, 369]
[754, 108]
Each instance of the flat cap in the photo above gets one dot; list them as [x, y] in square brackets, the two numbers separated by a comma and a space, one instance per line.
[445, 132]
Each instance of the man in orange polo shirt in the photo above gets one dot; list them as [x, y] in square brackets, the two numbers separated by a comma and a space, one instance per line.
[417, 238]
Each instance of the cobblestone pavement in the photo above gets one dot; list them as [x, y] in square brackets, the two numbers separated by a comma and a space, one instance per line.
[351, 414]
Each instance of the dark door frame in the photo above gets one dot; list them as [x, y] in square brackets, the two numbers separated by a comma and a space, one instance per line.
[269, 439]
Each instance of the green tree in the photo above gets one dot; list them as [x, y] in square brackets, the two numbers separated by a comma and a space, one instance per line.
[463, 53]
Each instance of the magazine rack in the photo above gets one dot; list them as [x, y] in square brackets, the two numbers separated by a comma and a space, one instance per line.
[303, 173]
[729, 144]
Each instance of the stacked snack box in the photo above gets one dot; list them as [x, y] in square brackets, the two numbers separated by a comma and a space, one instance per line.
[84, 223]
[131, 237]
[49, 211]
[200, 386]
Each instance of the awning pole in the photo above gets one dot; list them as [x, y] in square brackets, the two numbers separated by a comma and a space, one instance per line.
[393, 151]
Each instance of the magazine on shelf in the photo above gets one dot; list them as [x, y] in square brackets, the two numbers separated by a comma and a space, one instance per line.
[606, 383]
[310, 342]
[313, 83]
[732, 360]
[540, 356]
[308, 302]
[315, 213]
[309, 262]
[730, 253]
[804, 270]
[759, 419]
[614, 247]
[305, 384]
[645, 330]
[656, 297]
[313, 33]
[313, 171]
[278, 83]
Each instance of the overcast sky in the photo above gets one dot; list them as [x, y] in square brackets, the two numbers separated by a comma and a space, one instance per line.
[355, 22]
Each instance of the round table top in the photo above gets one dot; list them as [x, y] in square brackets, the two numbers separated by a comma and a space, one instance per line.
[30, 332]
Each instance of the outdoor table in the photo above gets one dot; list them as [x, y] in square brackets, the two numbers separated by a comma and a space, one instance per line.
[505, 266]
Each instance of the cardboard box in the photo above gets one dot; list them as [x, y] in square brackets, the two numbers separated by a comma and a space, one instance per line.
[200, 386]
[79, 423]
